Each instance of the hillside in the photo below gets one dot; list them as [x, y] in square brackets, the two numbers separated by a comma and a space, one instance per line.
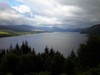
[17, 28]
[27, 28]
[14, 30]
[95, 29]
[58, 29]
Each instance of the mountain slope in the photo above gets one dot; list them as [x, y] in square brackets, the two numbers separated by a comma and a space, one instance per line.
[27, 28]
[17, 28]
[57, 29]
[95, 29]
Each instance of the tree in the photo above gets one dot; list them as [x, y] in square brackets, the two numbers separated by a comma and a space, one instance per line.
[70, 64]
[17, 47]
[57, 63]
[25, 48]
[9, 63]
[89, 52]
[46, 50]
[52, 52]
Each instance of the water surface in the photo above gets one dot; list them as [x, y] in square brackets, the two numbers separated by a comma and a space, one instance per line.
[61, 41]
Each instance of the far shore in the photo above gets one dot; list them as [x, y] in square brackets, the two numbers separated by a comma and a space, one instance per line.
[10, 34]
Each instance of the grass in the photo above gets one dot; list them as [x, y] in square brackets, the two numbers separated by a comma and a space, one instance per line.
[6, 33]
[10, 33]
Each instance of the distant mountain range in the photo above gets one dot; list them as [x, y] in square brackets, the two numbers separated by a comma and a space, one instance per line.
[57, 29]
[17, 28]
[27, 28]
[95, 29]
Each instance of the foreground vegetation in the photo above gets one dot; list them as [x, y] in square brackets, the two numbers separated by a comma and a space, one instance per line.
[22, 60]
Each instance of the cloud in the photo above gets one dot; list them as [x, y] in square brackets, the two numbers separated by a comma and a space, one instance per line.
[52, 12]
[46, 20]
[11, 17]
[61, 13]
[22, 8]
[4, 5]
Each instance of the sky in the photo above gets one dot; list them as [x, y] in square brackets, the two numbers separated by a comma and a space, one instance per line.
[50, 13]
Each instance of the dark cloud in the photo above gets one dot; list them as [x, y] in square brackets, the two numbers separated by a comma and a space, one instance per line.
[91, 10]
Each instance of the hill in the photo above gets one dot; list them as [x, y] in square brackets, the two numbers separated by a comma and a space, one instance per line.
[27, 28]
[58, 29]
[95, 29]
[13, 30]
[17, 28]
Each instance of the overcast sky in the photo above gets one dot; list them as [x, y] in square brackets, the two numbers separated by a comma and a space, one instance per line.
[60, 13]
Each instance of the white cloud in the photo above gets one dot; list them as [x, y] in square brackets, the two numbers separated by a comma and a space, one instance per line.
[53, 8]
[23, 9]
[46, 20]
[10, 17]
[52, 12]
[62, 13]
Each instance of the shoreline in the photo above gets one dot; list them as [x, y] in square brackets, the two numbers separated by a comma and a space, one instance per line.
[20, 33]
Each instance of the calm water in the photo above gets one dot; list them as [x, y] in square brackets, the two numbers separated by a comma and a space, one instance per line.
[61, 41]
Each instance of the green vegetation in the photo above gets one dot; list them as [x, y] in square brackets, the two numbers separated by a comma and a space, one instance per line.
[5, 34]
[16, 30]
[22, 60]
[12, 33]
[32, 32]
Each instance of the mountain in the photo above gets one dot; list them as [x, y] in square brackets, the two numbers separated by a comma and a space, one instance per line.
[95, 29]
[27, 28]
[17, 28]
[57, 29]
[52, 29]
